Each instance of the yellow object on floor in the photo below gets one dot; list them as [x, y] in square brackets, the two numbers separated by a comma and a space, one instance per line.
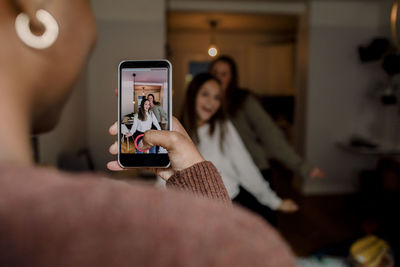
[369, 251]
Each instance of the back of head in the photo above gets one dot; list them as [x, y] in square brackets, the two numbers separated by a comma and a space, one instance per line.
[37, 75]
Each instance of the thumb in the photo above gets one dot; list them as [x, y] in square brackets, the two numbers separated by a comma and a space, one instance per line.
[167, 139]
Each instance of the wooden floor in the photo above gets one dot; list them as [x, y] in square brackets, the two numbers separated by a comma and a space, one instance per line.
[321, 220]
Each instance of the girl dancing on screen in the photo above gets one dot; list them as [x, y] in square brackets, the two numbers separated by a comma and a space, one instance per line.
[143, 121]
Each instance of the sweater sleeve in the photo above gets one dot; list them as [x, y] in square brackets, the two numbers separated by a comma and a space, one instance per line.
[52, 219]
[201, 179]
[155, 121]
[248, 174]
[272, 138]
[163, 115]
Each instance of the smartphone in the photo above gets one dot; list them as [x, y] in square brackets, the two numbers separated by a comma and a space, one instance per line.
[144, 103]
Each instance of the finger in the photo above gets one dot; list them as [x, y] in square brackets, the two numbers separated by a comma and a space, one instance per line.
[114, 166]
[143, 145]
[150, 169]
[114, 129]
[177, 126]
[166, 139]
[290, 208]
[317, 175]
[113, 149]
[116, 91]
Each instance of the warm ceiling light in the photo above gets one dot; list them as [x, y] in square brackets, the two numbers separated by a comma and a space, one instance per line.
[213, 50]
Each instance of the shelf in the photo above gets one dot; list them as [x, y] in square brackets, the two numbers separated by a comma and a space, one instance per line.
[370, 151]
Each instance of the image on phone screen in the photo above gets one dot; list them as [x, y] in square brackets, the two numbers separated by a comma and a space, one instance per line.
[144, 106]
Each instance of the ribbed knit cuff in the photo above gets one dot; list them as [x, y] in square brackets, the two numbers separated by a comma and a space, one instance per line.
[202, 179]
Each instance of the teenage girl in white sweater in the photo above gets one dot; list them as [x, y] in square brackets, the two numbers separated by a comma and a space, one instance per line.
[218, 141]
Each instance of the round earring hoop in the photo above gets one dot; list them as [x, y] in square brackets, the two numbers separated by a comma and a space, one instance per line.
[43, 41]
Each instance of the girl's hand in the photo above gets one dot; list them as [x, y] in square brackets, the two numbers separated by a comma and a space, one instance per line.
[316, 173]
[288, 206]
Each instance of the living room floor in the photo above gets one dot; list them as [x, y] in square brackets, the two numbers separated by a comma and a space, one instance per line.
[322, 221]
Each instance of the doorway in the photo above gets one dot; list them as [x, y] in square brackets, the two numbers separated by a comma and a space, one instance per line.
[263, 46]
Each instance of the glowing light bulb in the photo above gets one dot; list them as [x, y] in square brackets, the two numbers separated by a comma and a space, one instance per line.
[212, 51]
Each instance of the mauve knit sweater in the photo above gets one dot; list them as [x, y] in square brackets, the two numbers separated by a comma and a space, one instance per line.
[54, 219]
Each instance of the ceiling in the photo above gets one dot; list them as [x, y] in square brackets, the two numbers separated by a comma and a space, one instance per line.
[272, 1]
[146, 76]
[200, 21]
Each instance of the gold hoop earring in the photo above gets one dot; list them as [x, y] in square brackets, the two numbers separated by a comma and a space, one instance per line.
[43, 41]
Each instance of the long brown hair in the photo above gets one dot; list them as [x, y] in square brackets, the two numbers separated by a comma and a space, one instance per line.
[189, 117]
[234, 94]
[142, 113]
[154, 100]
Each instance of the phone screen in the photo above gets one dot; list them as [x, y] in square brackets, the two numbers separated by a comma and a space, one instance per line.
[144, 104]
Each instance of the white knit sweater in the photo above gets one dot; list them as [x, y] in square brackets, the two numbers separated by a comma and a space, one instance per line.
[235, 164]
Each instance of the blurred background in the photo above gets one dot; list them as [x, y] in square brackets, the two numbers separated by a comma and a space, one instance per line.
[301, 58]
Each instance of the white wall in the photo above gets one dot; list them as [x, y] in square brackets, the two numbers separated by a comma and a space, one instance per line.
[165, 96]
[242, 46]
[126, 30]
[239, 6]
[300, 84]
[338, 88]
[127, 105]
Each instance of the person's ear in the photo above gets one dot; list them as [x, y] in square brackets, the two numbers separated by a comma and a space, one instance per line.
[30, 7]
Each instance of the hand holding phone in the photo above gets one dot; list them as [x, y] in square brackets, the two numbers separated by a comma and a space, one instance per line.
[182, 152]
